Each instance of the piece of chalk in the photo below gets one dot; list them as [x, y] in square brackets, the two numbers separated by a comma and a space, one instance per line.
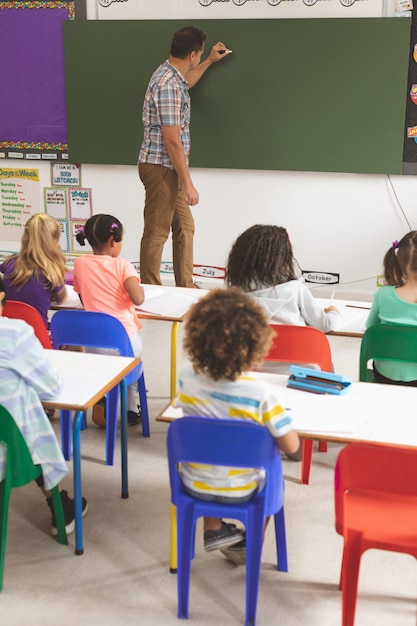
[224, 51]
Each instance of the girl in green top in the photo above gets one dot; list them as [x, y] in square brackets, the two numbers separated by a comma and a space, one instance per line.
[397, 304]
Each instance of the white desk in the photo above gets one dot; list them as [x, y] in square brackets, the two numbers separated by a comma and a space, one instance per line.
[366, 412]
[353, 316]
[162, 303]
[87, 378]
[170, 304]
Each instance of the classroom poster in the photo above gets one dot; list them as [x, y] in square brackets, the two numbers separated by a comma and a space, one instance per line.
[55, 200]
[19, 200]
[410, 130]
[67, 174]
[235, 9]
[64, 240]
[80, 203]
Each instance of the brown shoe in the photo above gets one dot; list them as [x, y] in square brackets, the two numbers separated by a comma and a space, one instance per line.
[99, 413]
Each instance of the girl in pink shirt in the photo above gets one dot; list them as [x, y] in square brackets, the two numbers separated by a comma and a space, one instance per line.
[108, 284]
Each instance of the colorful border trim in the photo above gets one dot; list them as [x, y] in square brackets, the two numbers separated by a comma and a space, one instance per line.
[41, 4]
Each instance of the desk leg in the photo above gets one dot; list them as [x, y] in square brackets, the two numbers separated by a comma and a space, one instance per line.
[174, 335]
[173, 565]
[76, 445]
[123, 435]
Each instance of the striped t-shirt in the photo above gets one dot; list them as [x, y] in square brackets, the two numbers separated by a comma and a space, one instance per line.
[245, 398]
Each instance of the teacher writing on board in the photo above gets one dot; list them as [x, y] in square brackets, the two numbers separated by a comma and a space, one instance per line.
[164, 155]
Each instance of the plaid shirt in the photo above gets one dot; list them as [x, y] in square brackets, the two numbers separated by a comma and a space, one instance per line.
[167, 103]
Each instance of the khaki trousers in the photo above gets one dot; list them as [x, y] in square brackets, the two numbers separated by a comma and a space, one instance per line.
[166, 209]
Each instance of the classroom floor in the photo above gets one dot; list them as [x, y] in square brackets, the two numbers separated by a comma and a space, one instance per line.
[123, 576]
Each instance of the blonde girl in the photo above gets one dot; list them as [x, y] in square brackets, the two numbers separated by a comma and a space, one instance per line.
[35, 275]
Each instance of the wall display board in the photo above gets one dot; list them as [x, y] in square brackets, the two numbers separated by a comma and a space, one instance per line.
[296, 94]
[410, 133]
[32, 103]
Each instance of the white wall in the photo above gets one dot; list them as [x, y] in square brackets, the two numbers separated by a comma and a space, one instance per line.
[340, 223]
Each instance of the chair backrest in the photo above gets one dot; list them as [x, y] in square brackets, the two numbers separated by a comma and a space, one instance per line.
[90, 329]
[388, 342]
[300, 344]
[373, 467]
[22, 469]
[231, 443]
[23, 311]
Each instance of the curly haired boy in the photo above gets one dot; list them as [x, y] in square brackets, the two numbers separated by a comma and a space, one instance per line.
[226, 334]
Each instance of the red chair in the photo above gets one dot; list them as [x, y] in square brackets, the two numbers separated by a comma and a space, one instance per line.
[376, 507]
[307, 345]
[23, 311]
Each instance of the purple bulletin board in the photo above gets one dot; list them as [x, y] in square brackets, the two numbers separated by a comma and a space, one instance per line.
[32, 104]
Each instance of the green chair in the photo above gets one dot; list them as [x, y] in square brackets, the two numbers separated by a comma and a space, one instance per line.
[387, 342]
[19, 471]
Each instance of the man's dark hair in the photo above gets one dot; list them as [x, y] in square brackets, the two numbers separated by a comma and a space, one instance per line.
[186, 40]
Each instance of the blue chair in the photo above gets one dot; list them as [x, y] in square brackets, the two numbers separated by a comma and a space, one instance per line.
[234, 443]
[20, 470]
[98, 330]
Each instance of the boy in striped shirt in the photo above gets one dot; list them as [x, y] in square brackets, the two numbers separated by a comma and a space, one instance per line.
[226, 334]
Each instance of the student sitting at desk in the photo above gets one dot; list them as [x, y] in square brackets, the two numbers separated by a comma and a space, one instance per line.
[108, 284]
[397, 304]
[36, 274]
[26, 377]
[261, 262]
[226, 333]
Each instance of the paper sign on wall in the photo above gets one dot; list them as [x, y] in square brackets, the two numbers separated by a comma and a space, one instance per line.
[80, 203]
[19, 200]
[56, 202]
[64, 239]
[66, 174]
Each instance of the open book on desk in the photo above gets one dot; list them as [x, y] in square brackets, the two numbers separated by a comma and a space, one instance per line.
[159, 301]
[353, 315]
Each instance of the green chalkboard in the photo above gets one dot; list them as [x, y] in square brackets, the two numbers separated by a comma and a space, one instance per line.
[296, 94]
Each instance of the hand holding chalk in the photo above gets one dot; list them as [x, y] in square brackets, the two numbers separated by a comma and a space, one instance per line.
[218, 52]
